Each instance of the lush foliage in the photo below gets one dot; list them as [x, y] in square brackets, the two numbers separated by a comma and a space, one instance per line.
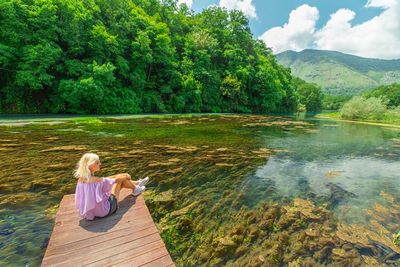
[391, 93]
[363, 108]
[332, 102]
[134, 56]
[310, 95]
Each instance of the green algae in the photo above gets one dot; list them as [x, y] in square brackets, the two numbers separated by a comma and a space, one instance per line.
[88, 120]
[209, 195]
[396, 239]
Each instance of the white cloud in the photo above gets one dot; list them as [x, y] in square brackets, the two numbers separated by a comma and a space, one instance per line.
[246, 6]
[187, 2]
[331, 36]
[297, 34]
[378, 37]
[380, 3]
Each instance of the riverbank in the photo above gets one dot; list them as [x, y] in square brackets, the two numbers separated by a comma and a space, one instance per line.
[336, 116]
[50, 119]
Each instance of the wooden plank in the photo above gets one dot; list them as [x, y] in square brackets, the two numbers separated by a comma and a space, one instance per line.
[65, 239]
[163, 261]
[124, 256]
[123, 216]
[128, 237]
[97, 230]
[98, 253]
[77, 232]
[142, 259]
[74, 219]
[93, 241]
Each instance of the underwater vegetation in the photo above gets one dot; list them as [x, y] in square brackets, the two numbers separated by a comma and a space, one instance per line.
[297, 234]
[227, 190]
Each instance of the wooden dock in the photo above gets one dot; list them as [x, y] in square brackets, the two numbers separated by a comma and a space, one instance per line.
[127, 238]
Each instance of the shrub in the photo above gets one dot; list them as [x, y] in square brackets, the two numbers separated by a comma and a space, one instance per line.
[363, 108]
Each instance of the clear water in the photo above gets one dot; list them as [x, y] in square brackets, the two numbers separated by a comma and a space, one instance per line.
[225, 190]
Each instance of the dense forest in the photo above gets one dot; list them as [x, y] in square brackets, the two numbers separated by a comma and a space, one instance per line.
[134, 56]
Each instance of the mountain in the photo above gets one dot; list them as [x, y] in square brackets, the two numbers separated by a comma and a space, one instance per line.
[338, 73]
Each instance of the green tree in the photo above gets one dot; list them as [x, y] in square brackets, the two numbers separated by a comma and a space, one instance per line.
[333, 102]
[129, 56]
[389, 92]
[310, 95]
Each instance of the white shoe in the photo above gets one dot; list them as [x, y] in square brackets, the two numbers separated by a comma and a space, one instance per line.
[143, 181]
[138, 190]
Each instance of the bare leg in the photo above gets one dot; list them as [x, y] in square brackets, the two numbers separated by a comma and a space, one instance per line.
[116, 189]
[130, 184]
[124, 184]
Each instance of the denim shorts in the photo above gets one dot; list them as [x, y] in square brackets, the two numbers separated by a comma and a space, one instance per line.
[113, 205]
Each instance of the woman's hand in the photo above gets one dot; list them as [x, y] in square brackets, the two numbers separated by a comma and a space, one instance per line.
[127, 176]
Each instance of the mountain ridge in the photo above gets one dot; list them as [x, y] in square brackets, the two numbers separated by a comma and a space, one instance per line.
[339, 73]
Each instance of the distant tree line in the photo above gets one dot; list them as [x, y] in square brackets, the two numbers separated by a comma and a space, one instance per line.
[382, 104]
[134, 56]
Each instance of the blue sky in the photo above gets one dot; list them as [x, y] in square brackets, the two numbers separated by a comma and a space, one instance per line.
[369, 28]
[272, 13]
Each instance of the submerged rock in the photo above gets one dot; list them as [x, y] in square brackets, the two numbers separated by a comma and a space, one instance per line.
[338, 194]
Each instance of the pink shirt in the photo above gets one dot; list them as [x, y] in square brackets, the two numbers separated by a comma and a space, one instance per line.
[91, 199]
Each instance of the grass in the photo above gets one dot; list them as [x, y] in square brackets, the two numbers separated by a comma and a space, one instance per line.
[388, 118]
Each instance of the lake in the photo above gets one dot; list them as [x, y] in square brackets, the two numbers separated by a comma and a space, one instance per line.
[232, 190]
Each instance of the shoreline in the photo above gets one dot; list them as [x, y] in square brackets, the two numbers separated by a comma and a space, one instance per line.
[373, 123]
[20, 120]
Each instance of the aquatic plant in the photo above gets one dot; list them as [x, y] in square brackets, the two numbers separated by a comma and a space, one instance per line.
[396, 239]
[87, 120]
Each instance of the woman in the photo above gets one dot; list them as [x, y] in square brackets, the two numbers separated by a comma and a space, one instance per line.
[96, 196]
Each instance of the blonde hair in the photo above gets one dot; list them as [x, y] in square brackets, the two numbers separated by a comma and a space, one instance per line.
[82, 168]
